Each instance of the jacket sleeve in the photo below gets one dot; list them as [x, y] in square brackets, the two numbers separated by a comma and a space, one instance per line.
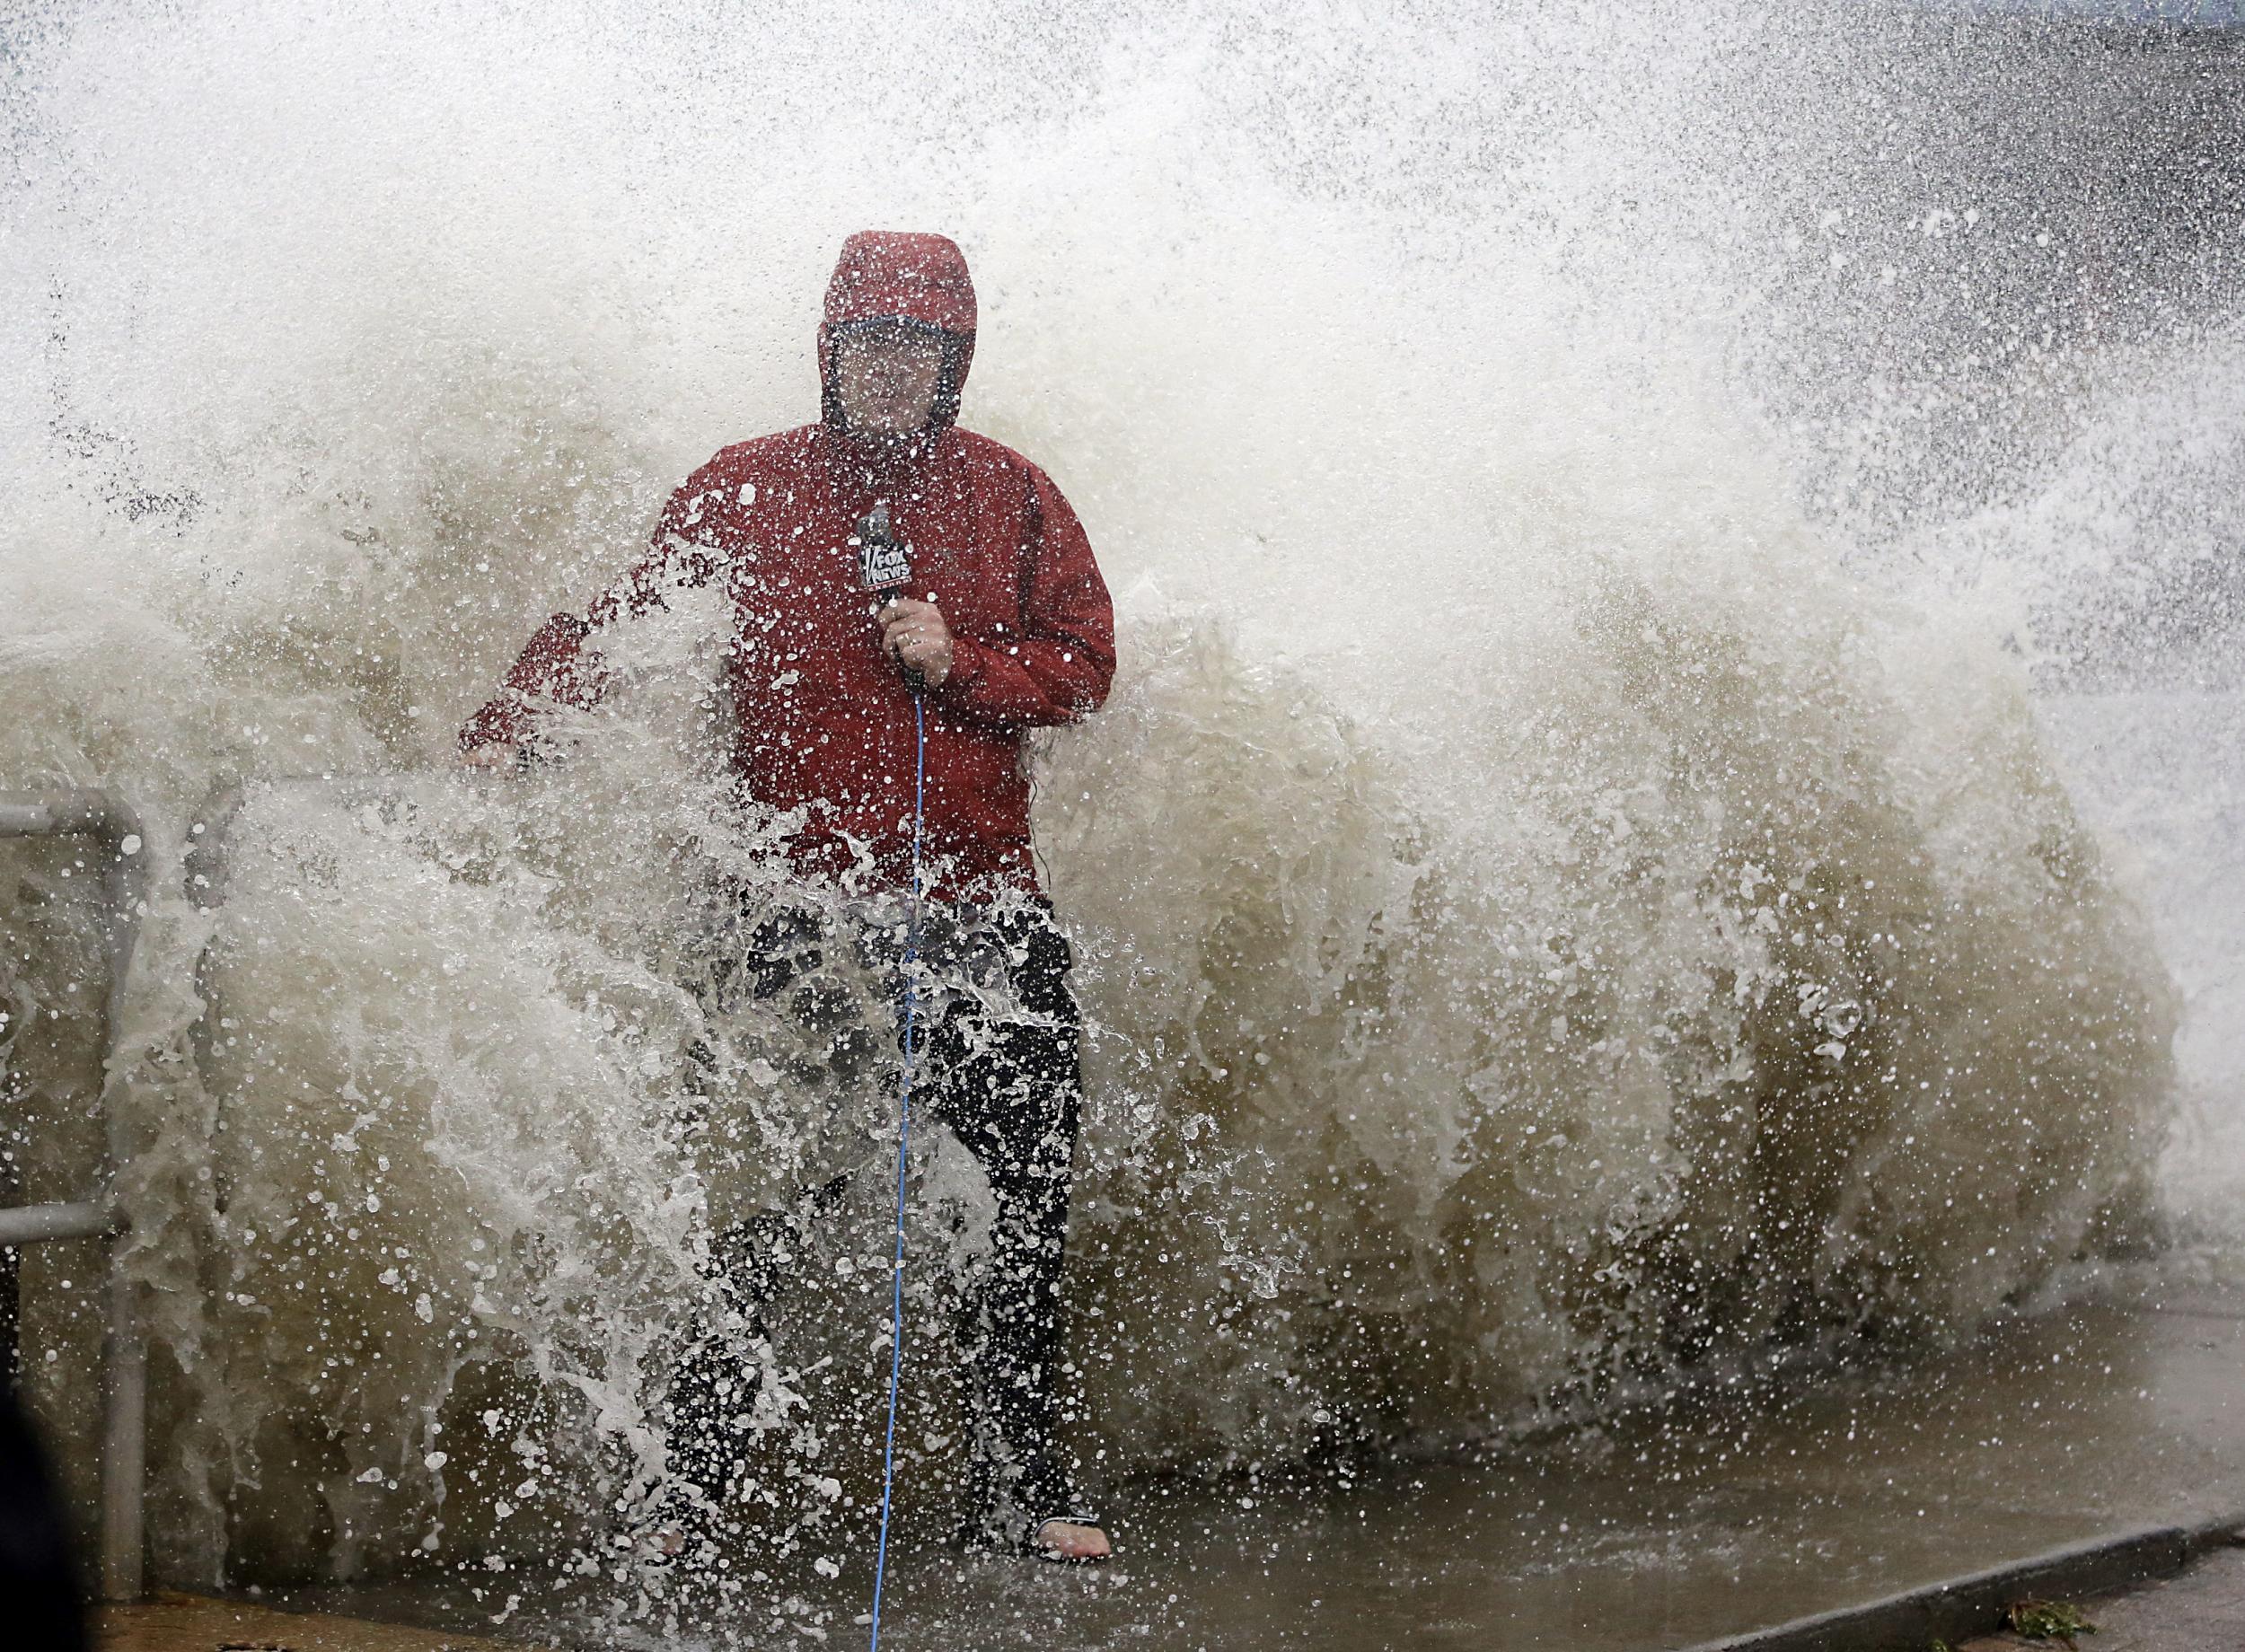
[562, 662]
[1057, 665]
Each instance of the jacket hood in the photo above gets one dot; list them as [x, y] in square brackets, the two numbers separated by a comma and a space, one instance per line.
[897, 274]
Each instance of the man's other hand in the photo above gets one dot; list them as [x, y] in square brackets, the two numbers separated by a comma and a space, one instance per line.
[500, 756]
[914, 635]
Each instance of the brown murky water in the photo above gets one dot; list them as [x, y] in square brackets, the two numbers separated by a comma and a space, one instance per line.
[333, 404]
[1694, 1516]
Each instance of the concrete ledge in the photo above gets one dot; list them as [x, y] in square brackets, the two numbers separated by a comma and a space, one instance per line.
[197, 1623]
[1963, 1607]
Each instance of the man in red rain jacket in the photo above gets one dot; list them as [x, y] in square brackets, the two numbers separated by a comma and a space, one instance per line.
[1001, 621]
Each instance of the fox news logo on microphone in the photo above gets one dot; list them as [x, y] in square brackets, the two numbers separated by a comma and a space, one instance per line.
[883, 563]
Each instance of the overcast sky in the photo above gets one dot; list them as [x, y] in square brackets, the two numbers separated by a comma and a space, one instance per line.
[2231, 11]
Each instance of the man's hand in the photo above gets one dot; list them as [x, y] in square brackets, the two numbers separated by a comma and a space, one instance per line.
[500, 756]
[914, 635]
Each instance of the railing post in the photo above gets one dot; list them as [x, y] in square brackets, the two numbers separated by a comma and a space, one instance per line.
[124, 1425]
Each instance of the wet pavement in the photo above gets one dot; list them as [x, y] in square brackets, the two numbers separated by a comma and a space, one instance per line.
[1695, 1517]
[2201, 1610]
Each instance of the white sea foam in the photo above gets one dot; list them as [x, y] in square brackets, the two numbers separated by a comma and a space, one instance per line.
[1540, 919]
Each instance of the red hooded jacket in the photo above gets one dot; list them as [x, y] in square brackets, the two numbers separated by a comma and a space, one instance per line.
[825, 721]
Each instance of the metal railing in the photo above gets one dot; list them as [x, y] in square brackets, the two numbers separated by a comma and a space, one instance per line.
[110, 822]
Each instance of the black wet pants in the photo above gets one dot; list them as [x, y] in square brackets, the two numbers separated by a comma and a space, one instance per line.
[1007, 1083]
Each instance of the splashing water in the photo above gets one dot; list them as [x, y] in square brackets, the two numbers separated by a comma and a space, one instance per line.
[1544, 919]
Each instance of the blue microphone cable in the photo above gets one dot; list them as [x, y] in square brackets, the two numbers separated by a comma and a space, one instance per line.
[903, 1136]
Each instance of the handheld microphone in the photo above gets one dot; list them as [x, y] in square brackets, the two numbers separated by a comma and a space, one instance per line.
[884, 568]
